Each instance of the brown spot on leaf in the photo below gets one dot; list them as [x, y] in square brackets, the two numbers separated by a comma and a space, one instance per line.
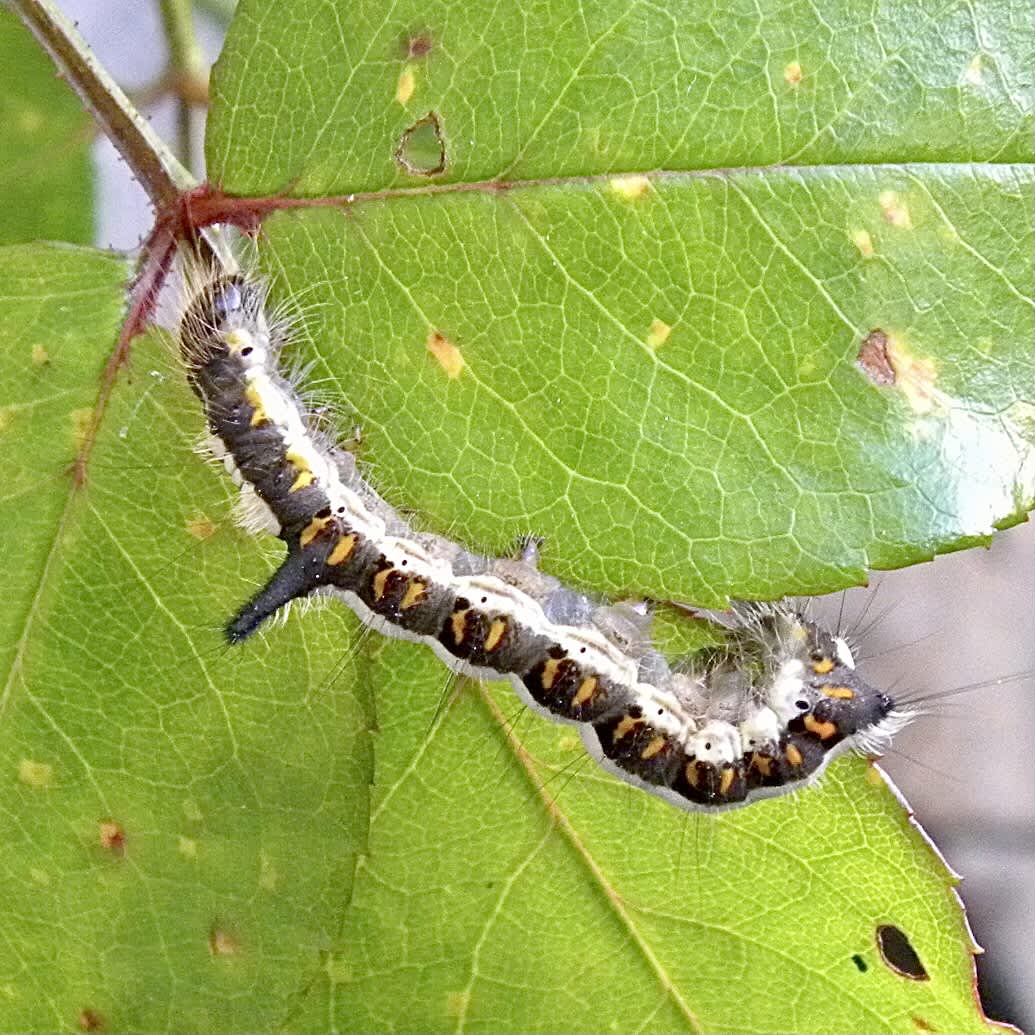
[422, 148]
[200, 527]
[112, 837]
[874, 360]
[418, 46]
[447, 354]
[222, 942]
[90, 1020]
[898, 953]
[40, 355]
[921, 1024]
[894, 209]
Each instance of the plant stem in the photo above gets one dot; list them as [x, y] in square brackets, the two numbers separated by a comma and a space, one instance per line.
[187, 71]
[153, 163]
[221, 10]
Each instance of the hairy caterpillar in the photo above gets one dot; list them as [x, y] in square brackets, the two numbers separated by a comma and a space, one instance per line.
[760, 719]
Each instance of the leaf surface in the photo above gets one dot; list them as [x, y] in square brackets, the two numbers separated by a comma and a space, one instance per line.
[46, 176]
[644, 347]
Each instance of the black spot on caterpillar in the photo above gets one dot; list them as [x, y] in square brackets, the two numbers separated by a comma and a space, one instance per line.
[763, 719]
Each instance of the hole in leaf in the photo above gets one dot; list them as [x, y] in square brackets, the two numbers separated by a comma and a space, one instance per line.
[899, 954]
[422, 148]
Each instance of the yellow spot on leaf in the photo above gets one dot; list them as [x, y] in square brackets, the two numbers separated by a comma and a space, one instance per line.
[862, 240]
[187, 847]
[915, 376]
[35, 774]
[337, 970]
[873, 777]
[630, 187]
[40, 356]
[894, 209]
[39, 876]
[407, 84]
[81, 421]
[200, 527]
[568, 743]
[972, 74]
[30, 120]
[658, 334]
[458, 1003]
[792, 73]
[268, 876]
[447, 354]
[192, 811]
[222, 943]
[6, 416]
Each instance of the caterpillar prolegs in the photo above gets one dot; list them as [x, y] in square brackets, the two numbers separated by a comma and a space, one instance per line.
[763, 717]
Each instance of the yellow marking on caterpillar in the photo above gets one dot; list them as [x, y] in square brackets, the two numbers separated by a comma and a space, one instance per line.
[587, 688]
[627, 725]
[303, 481]
[312, 530]
[693, 775]
[380, 582]
[458, 621]
[793, 755]
[822, 667]
[762, 764]
[657, 744]
[238, 339]
[343, 550]
[254, 399]
[496, 631]
[726, 780]
[843, 693]
[550, 672]
[414, 594]
[823, 730]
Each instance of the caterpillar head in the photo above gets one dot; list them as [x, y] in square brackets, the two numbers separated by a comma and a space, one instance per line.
[224, 328]
[816, 690]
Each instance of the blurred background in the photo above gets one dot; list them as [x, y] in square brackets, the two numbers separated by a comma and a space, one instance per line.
[967, 769]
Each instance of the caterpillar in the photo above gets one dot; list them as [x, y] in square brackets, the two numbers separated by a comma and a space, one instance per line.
[761, 717]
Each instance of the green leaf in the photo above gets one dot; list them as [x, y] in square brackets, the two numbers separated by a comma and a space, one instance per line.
[181, 825]
[46, 175]
[660, 371]
[658, 331]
